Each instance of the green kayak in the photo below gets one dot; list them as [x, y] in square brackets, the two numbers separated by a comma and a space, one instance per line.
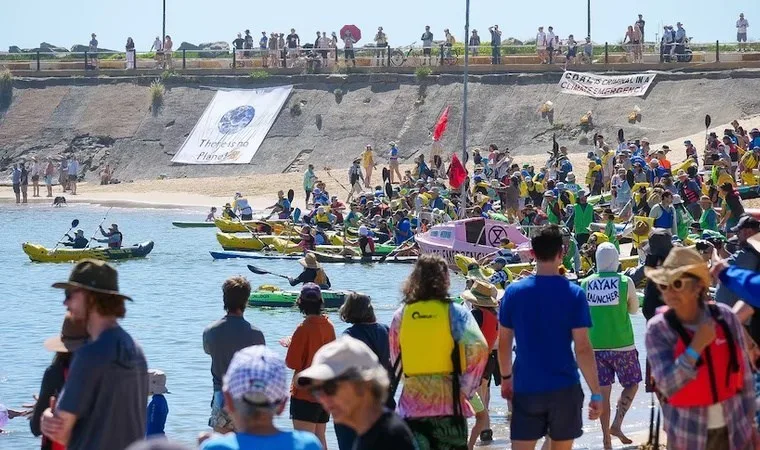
[181, 224]
[287, 299]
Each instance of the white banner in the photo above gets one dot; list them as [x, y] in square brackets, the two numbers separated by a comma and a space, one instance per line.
[604, 86]
[233, 126]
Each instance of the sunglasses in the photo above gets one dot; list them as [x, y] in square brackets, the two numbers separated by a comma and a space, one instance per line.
[329, 388]
[70, 293]
[676, 285]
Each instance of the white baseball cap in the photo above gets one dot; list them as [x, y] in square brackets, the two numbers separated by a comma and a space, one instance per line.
[338, 358]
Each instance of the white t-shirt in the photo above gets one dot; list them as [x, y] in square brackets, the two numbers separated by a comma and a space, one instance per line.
[541, 40]
[550, 37]
[741, 26]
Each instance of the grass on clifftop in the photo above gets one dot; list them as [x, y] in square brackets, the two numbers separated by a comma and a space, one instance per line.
[157, 91]
[6, 88]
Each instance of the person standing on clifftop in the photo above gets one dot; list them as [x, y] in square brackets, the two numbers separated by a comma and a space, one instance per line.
[427, 45]
[93, 50]
[168, 45]
[495, 44]
[741, 32]
[640, 23]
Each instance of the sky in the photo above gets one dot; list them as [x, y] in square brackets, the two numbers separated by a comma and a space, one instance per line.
[27, 24]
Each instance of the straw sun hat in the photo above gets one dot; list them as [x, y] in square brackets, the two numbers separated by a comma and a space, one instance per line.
[482, 294]
[309, 261]
[680, 261]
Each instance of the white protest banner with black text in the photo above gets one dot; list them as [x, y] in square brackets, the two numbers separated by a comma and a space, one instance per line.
[605, 86]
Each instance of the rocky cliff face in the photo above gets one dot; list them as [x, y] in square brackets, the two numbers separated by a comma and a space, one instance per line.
[109, 119]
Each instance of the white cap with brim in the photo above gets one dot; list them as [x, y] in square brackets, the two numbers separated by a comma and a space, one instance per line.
[338, 358]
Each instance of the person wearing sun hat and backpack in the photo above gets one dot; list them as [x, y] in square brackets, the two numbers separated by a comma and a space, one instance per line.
[697, 355]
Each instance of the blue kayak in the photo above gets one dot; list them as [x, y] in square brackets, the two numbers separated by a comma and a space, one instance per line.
[253, 255]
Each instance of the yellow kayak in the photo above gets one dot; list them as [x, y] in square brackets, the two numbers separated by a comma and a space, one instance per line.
[237, 226]
[249, 242]
[39, 253]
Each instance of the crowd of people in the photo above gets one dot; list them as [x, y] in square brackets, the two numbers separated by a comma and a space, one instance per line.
[276, 49]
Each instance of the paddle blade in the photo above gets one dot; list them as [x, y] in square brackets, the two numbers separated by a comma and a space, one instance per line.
[386, 174]
[388, 190]
[708, 120]
[291, 195]
[296, 215]
[256, 270]
[621, 135]
[74, 223]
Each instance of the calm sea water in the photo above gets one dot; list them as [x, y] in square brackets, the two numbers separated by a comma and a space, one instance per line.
[177, 292]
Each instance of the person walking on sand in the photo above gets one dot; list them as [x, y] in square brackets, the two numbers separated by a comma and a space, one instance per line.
[549, 316]
[315, 331]
[105, 397]
[73, 173]
[49, 173]
[24, 182]
[611, 299]
[309, 178]
[16, 181]
[393, 162]
[368, 163]
[222, 339]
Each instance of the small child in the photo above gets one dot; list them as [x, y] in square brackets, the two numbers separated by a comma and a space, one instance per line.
[212, 215]
[609, 229]
[158, 408]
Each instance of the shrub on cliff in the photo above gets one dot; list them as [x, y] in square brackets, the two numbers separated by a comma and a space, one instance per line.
[157, 92]
[6, 88]
[422, 73]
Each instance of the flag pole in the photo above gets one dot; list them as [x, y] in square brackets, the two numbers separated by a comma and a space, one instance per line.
[463, 194]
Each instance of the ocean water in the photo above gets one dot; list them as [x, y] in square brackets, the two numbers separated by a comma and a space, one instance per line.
[177, 292]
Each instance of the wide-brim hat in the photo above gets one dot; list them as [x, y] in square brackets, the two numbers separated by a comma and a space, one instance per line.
[660, 243]
[309, 261]
[680, 261]
[95, 276]
[641, 228]
[482, 294]
[157, 382]
[73, 336]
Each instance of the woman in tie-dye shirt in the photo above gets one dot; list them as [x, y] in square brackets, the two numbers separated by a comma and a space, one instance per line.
[426, 401]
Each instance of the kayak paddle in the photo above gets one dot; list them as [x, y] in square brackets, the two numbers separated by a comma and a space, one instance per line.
[708, 121]
[291, 195]
[74, 224]
[99, 226]
[259, 271]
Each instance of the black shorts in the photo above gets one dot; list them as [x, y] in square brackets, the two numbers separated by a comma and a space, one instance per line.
[16, 188]
[492, 369]
[348, 54]
[426, 51]
[246, 217]
[556, 413]
[308, 411]
[73, 178]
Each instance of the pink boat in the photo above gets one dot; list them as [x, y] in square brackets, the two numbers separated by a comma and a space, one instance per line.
[476, 237]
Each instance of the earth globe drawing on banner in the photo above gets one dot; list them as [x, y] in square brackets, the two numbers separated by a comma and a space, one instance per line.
[236, 119]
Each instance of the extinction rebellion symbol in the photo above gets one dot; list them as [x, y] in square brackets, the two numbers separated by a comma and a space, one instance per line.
[495, 234]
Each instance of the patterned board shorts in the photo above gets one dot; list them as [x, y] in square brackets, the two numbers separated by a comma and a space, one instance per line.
[624, 364]
[219, 417]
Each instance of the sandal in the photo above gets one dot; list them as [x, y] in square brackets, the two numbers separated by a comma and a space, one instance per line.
[486, 436]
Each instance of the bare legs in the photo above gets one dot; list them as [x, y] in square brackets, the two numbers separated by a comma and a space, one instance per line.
[623, 404]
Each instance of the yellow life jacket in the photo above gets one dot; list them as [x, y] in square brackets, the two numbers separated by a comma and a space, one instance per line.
[322, 218]
[424, 322]
[425, 199]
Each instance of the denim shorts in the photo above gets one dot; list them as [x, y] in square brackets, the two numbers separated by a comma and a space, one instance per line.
[219, 417]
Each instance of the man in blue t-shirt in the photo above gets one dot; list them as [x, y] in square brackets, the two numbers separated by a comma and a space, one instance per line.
[403, 228]
[546, 315]
[255, 391]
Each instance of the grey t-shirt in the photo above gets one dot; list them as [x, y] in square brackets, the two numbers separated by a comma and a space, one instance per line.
[223, 338]
[107, 389]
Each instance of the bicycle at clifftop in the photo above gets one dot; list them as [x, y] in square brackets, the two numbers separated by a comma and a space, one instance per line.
[400, 55]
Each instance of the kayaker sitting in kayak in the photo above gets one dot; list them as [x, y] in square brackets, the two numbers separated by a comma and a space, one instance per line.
[113, 236]
[282, 207]
[308, 242]
[78, 241]
[312, 273]
[228, 213]
[365, 242]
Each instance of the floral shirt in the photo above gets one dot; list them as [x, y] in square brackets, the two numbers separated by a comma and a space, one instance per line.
[431, 395]
[687, 427]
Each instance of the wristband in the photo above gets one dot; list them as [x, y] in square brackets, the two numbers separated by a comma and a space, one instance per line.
[692, 353]
[506, 377]
[596, 397]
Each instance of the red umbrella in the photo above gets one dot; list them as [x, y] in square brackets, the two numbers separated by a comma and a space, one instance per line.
[356, 33]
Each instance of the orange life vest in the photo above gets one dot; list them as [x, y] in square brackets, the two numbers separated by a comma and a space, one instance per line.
[720, 372]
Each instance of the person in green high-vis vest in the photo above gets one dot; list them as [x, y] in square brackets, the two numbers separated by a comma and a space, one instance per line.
[683, 218]
[551, 208]
[709, 218]
[583, 215]
[609, 228]
[612, 298]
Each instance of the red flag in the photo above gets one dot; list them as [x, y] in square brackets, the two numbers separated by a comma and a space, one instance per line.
[440, 126]
[457, 172]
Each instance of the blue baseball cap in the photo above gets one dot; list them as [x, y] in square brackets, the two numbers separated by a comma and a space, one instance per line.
[500, 260]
